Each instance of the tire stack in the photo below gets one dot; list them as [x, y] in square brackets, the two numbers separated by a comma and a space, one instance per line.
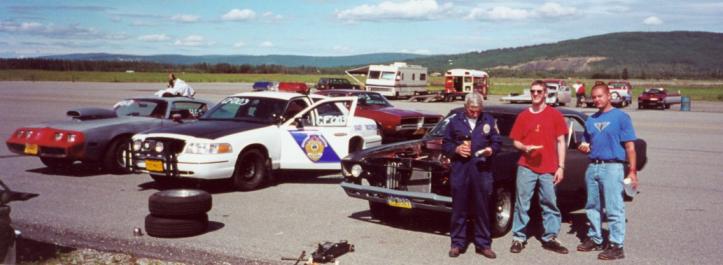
[178, 213]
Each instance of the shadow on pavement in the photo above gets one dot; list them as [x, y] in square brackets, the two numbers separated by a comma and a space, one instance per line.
[418, 221]
[76, 170]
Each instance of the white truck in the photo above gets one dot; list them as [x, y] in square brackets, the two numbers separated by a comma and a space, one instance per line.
[394, 80]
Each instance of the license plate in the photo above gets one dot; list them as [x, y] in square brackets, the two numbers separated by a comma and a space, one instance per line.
[31, 149]
[399, 202]
[154, 165]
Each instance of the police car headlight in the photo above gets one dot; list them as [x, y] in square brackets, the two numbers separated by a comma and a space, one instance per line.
[356, 170]
[159, 147]
[137, 144]
[208, 148]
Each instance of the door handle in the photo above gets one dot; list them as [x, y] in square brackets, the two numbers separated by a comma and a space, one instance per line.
[340, 134]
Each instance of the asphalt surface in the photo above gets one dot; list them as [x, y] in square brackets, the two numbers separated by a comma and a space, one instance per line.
[674, 220]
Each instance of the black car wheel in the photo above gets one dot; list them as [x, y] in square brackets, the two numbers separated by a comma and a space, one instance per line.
[176, 227]
[56, 163]
[250, 170]
[116, 155]
[503, 209]
[179, 203]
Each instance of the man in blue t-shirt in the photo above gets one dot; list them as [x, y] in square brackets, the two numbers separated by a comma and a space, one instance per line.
[607, 131]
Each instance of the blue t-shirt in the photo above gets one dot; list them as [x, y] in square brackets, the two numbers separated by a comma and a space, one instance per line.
[606, 132]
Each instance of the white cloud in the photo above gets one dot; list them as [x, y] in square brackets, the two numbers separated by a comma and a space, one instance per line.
[185, 18]
[652, 20]
[58, 32]
[154, 37]
[193, 41]
[342, 49]
[552, 9]
[398, 10]
[271, 16]
[239, 15]
[266, 44]
[239, 44]
[498, 13]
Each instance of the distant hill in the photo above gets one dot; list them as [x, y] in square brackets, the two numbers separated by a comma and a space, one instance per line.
[285, 60]
[642, 53]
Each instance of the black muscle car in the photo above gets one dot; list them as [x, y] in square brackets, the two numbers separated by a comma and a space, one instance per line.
[415, 174]
[102, 136]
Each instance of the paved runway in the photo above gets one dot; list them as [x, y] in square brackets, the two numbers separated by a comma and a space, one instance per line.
[675, 219]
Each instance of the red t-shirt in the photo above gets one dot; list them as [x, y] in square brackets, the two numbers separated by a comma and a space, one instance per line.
[541, 128]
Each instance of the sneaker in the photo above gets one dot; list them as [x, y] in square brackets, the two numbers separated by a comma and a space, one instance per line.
[613, 252]
[555, 246]
[517, 246]
[589, 245]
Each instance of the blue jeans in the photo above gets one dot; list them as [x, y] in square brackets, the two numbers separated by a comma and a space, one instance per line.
[551, 218]
[606, 181]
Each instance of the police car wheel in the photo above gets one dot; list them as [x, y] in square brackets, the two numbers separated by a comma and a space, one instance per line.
[503, 208]
[250, 170]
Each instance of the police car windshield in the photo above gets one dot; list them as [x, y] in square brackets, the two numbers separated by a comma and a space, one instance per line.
[142, 108]
[255, 109]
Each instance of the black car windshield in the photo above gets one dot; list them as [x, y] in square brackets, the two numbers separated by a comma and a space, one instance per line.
[256, 109]
[438, 130]
[140, 107]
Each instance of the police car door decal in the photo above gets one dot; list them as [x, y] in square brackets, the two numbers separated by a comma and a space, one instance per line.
[315, 146]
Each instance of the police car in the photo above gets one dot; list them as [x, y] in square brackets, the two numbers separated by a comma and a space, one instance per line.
[249, 135]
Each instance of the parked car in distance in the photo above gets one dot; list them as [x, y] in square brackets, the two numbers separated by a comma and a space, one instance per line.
[558, 94]
[395, 123]
[657, 97]
[264, 86]
[621, 93]
[416, 174]
[334, 83]
[298, 87]
[102, 136]
[247, 136]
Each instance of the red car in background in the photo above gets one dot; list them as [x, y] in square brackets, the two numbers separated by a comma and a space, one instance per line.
[657, 97]
[297, 87]
[395, 123]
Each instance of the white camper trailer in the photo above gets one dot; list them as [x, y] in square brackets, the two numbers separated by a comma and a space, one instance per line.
[394, 80]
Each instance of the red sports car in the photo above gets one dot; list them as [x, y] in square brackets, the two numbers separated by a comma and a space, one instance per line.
[395, 123]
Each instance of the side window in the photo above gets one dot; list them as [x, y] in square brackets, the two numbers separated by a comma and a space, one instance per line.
[330, 114]
[374, 74]
[422, 77]
[413, 76]
[188, 110]
[294, 107]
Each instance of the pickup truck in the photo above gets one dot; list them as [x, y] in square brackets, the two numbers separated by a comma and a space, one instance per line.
[334, 83]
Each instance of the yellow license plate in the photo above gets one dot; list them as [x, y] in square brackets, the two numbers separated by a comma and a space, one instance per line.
[399, 202]
[154, 165]
[31, 149]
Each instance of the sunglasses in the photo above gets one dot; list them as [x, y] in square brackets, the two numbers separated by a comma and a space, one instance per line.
[536, 91]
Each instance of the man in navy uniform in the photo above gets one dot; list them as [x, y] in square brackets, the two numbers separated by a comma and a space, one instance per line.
[470, 140]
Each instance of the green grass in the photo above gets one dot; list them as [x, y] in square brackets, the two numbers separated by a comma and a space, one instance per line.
[696, 89]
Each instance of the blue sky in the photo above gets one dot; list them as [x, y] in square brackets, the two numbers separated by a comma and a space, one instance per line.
[329, 27]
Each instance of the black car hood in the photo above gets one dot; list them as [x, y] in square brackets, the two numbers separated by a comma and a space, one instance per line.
[210, 129]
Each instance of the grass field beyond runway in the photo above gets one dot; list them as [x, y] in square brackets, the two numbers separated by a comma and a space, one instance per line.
[696, 89]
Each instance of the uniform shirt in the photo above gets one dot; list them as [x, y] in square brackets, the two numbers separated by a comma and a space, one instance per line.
[606, 132]
[541, 128]
[485, 134]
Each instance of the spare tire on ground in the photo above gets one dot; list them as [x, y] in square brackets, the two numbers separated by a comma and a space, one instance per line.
[176, 227]
[179, 203]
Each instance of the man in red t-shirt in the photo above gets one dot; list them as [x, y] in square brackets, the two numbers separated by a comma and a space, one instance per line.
[539, 134]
